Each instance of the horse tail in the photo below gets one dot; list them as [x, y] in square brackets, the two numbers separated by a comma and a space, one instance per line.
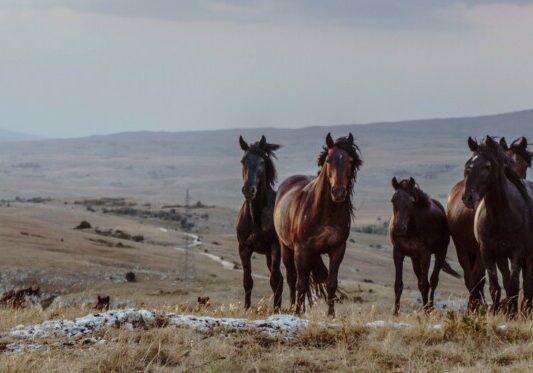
[449, 270]
[317, 283]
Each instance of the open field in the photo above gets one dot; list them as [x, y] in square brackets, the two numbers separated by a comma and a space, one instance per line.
[74, 266]
[139, 227]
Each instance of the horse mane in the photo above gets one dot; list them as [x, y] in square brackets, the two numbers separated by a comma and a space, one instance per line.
[496, 154]
[348, 145]
[266, 151]
[422, 199]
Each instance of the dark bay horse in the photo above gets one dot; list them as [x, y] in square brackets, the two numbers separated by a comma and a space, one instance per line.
[461, 224]
[255, 228]
[418, 229]
[503, 223]
[313, 216]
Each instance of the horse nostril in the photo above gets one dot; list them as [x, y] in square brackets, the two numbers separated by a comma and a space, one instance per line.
[253, 190]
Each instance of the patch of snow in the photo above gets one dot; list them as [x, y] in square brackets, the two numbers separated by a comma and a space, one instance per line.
[386, 324]
[164, 230]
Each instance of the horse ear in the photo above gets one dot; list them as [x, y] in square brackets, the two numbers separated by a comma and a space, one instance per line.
[350, 137]
[263, 141]
[412, 182]
[329, 141]
[395, 183]
[491, 143]
[244, 145]
[503, 144]
[472, 144]
[523, 143]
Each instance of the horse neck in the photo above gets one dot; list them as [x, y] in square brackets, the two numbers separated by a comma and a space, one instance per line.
[496, 199]
[521, 169]
[259, 203]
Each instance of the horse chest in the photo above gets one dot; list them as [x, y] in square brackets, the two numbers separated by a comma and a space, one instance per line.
[325, 237]
[410, 246]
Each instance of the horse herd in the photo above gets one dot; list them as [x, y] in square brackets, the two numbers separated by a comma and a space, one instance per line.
[489, 216]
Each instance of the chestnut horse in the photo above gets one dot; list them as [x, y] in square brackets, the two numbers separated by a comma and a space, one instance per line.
[461, 224]
[255, 228]
[418, 229]
[503, 223]
[312, 217]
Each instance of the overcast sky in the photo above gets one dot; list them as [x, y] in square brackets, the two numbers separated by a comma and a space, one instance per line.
[80, 67]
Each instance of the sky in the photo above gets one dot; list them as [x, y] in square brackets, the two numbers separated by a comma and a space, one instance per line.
[73, 68]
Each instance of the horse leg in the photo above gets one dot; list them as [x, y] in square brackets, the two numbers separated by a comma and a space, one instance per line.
[434, 279]
[528, 285]
[335, 260]
[513, 284]
[494, 286]
[276, 278]
[247, 280]
[503, 266]
[290, 270]
[398, 282]
[477, 296]
[303, 271]
[468, 268]
[423, 283]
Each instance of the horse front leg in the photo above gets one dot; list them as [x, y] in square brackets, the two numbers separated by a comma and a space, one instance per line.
[290, 270]
[494, 286]
[303, 271]
[528, 285]
[335, 260]
[513, 284]
[248, 283]
[276, 278]
[398, 282]
[423, 283]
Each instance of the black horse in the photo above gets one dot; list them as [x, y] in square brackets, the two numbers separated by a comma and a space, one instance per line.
[255, 228]
[418, 229]
[504, 218]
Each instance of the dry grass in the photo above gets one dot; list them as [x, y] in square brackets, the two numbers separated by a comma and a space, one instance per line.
[465, 343]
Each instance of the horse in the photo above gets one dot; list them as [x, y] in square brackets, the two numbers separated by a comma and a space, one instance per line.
[312, 216]
[520, 154]
[461, 225]
[255, 228]
[418, 229]
[503, 223]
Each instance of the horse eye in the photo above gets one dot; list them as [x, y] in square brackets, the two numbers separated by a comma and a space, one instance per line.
[488, 165]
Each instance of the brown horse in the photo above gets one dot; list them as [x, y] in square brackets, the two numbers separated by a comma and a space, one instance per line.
[461, 224]
[312, 217]
[418, 229]
[255, 228]
[503, 223]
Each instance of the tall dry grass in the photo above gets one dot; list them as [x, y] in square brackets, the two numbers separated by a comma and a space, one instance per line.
[436, 342]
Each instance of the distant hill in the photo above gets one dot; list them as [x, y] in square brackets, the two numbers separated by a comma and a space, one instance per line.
[8, 136]
[160, 165]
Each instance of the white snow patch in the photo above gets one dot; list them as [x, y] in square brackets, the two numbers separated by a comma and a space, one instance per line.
[386, 324]
[163, 230]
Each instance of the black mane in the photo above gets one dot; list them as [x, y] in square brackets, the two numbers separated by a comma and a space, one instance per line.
[422, 199]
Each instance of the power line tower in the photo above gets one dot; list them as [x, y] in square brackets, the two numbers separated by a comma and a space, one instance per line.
[188, 268]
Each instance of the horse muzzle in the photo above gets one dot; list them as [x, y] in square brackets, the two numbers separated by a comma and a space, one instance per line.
[338, 194]
[249, 192]
[470, 199]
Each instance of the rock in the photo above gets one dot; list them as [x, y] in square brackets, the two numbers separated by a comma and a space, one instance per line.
[130, 277]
